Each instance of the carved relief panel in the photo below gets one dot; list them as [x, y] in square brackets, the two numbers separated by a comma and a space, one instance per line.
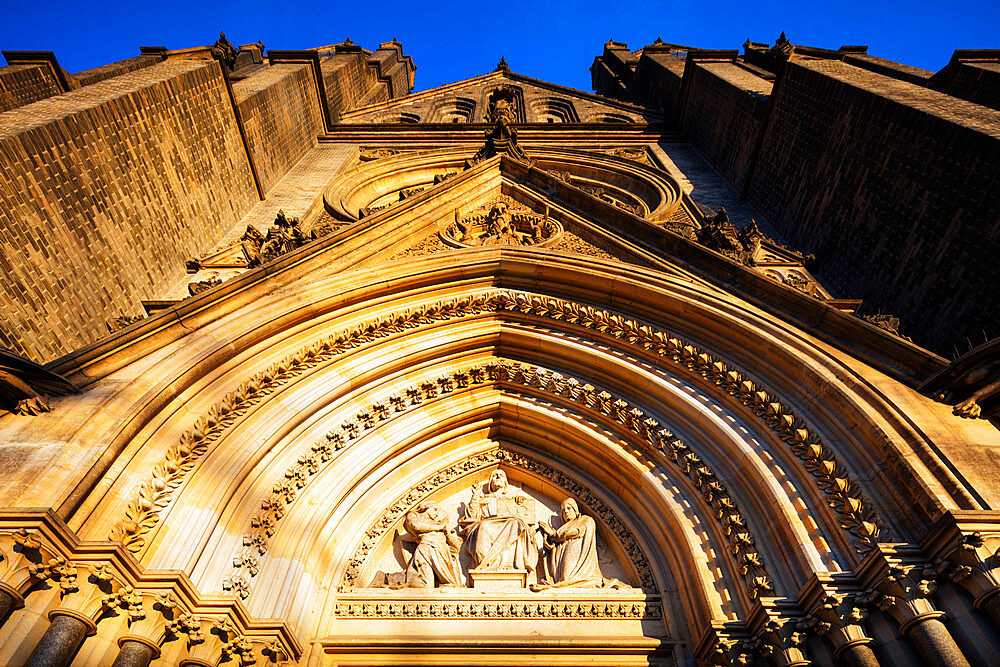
[498, 530]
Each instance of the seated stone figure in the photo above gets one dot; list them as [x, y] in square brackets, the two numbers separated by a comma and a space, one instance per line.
[496, 527]
[435, 557]
[571, 553]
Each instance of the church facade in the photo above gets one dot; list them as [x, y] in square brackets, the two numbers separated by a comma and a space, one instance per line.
[303, 368]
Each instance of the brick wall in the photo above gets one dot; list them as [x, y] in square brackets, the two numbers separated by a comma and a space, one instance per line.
[24, 84]
[977, 82]
[893, 186]
[725, 109]
[348, 81]
[281, 117]
[658, 80]
[611, 73]
[889, 68]
[107, 190]
[92, 76]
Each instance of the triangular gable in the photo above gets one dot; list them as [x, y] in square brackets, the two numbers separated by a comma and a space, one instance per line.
[466, 102]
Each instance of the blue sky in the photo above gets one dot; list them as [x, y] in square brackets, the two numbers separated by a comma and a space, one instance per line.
[555, 41]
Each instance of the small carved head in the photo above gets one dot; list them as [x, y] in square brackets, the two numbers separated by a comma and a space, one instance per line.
[498, 481]
[431, 509]
[570, 510]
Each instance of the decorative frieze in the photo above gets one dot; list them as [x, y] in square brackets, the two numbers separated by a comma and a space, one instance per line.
[576, 610]
[122, 321]
[370, 154]
[638, 154]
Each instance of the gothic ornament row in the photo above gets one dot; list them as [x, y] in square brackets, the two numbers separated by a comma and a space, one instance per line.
[152, 497]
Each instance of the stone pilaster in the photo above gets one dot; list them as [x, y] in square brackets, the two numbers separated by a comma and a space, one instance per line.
[900, 584]
[834, 612]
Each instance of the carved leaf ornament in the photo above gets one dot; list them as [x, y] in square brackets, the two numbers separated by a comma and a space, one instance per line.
[843, 495]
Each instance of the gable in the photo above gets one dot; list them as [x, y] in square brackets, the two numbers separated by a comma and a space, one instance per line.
[466, 102]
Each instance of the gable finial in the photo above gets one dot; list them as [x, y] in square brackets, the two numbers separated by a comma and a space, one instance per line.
[502, 65]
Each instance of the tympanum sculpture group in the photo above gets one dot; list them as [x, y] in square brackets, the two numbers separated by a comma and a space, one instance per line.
[500, 536]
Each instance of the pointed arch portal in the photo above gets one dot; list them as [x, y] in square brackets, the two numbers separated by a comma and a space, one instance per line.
[296, 445]
[304, 457]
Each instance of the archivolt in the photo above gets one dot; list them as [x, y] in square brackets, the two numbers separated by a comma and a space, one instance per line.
[152, 496]
[657, 444]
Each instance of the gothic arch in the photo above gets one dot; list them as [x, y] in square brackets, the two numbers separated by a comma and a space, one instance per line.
[652, 342]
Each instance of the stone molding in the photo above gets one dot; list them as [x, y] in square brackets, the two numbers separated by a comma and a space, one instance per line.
[151, 497]
[593, 607]
[742, 543]
[857, 517]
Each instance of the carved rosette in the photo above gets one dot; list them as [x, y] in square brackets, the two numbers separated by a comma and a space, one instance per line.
[502, 221]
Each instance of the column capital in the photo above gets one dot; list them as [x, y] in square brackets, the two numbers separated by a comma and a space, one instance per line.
[969, 541]
[835, 603]
[782, 629]
[899, 580]
[140, 640]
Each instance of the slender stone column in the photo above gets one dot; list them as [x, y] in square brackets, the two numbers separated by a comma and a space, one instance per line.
[936, 645]
[991, 605]
[857, 655]
[10, 600]
[6, 604]
[135, 652]
[61, 640]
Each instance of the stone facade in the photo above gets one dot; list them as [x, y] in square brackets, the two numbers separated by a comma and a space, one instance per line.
[499, 373]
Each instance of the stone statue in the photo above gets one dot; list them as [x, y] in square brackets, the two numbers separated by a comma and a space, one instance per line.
[283, 236]
[499, 229]
[502, 114]
[435, 557]
[571, 553]
[251, 242]
[497, 526]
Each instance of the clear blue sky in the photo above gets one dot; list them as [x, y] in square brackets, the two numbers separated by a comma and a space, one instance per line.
[555, 41]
